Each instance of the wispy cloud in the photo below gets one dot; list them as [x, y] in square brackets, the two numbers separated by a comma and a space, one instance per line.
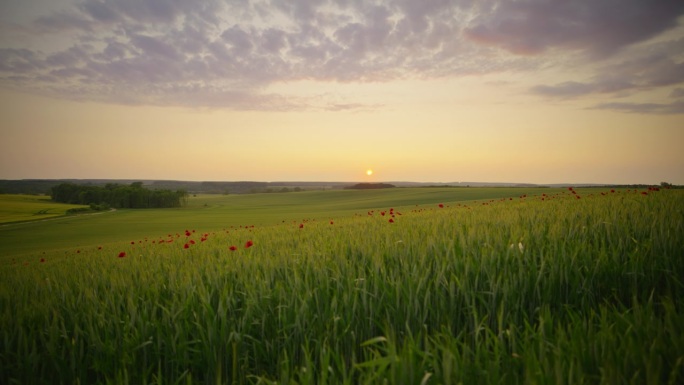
[654, 66]
[209, 53]
[644, 108]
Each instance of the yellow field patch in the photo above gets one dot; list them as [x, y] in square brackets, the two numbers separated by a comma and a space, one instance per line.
[18, 208]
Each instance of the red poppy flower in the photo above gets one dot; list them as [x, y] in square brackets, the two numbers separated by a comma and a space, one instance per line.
[192, 242]
[611, 190]
[232, 248]
[186, 246]
[187, 233]
[42, 260]
[301, 225]
[332, 223]
[644, 193]
[391, 220]
[249, 244]
[122, 254]
[132, 242]
[441, 205]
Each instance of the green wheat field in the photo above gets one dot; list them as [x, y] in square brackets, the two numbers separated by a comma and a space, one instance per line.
[400, 286]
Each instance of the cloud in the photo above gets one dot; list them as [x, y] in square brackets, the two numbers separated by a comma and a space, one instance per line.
[647, 67]
[152, 46]
[154, 11]
[599, 27]
[19, 61]
[100, 11]
[186, 47]
[218, 54]
[572, 89]
[644, 108]
[566, 89]
[71, 57]
[63, 22]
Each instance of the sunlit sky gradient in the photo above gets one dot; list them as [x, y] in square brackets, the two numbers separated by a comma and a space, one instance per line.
[537, 91]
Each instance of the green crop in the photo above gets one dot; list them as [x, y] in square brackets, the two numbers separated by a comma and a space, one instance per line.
[17, 208]
[213, 213]
[544, 289]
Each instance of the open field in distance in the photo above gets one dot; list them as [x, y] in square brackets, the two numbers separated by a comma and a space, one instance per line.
[210, 212]
[20, 208]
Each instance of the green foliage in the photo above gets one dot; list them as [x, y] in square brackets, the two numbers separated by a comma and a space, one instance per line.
[369, 186]
[524, 291]
[134, 196]
[79, 210]
[100, 207]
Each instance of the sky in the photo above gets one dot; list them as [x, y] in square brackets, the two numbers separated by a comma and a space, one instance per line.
[527, 91]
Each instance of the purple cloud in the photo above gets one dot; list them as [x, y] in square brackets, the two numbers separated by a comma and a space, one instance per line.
[69, 58]
[212, 53]
[17, 61]
[155, 47]
[644, 108]
[645, 72]
[239, 40]
[63, 22]
[565, 90]
[100, 11]
[113, 51]
[600, 27]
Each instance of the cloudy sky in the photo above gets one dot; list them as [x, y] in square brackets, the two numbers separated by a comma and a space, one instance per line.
[539, 91]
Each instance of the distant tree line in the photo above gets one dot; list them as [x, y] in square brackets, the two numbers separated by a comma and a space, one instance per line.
[369, 186]
[26, 186]
[133, 196]
[44, 186]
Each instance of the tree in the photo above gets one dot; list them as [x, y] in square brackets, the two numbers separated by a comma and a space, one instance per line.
[119, 196]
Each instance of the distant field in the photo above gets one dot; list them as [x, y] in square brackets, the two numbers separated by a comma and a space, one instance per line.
[17, 208]
[214, 212]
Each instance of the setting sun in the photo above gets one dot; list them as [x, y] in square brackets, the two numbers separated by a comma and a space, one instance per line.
[369, 172]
